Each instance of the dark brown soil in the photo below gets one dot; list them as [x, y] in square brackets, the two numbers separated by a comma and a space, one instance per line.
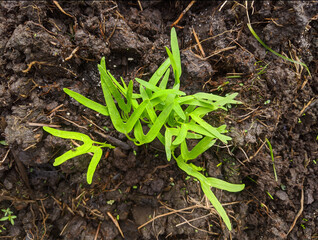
[45, 47]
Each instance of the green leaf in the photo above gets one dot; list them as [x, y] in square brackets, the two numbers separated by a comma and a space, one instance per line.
[220, 184]
[72, 153]
[175, 51]
[178, 110]
[228, 100]
[206, 189]
[156, 89]
[87, 102]
[94, 162]
[191, 135]
[159, 72]
[119, 124]
[164, 81]
[164, 93]
[168, 140]
[196, 168]
[115, 93]
[129, 96]
[209, 128]
[156, 127]
[182, 135]
[68, 134]
[216, 204]
[174, 66]
[208, 96]
[190, 100]
[198, 149]
[4, 219]
[123, 82]
[150, 111]
[198, 129]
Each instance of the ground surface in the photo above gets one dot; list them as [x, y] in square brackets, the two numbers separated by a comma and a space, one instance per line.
[46, 46]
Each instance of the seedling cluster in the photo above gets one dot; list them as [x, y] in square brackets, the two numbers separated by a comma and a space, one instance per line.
[170, 115]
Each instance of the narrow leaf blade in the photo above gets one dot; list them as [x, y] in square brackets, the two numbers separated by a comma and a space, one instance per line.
[68, 134]
[71, 154]
[87, 102]
[220, 184]
[98, 152]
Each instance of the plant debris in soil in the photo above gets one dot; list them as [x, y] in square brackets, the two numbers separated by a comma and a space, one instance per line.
[136, 193]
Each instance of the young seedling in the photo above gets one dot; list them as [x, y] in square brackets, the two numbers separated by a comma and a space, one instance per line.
[272, 156]
[276, 53]
[170, 115]
[8, 216]
[87, 147]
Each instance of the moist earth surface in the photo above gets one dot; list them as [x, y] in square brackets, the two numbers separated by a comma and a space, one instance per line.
[136, 193]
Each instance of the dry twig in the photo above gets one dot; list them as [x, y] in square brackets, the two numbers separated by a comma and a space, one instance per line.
[116, 224]
[97, 231]
[198, 42]
[183, 12]
[61, 9]
[72, 53]
[299, 212]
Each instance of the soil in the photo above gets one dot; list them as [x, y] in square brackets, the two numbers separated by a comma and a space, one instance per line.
[46, 46]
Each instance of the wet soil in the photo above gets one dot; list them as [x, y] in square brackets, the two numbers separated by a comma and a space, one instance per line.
[46, 46]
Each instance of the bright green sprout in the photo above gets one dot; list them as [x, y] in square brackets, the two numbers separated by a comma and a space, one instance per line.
[171, 116]
[8, 216]
[272, 156]
[269, 195]
[110, 202]
[234, 76]
[2, 228]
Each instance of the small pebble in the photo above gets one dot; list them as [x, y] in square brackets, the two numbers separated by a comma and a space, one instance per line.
[282, 195]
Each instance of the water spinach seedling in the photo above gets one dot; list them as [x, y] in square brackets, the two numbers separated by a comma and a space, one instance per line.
[87, 147]
[171, 116]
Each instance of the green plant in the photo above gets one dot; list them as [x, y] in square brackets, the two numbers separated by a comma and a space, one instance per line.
[171, 116]
[87, 147]
[8, 216]
[272, 51]
[272, 156]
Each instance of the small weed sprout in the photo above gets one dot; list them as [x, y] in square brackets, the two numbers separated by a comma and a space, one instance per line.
[273, 159]
[171, 116]
[275, 53]
[2, 228]
[8, 216]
